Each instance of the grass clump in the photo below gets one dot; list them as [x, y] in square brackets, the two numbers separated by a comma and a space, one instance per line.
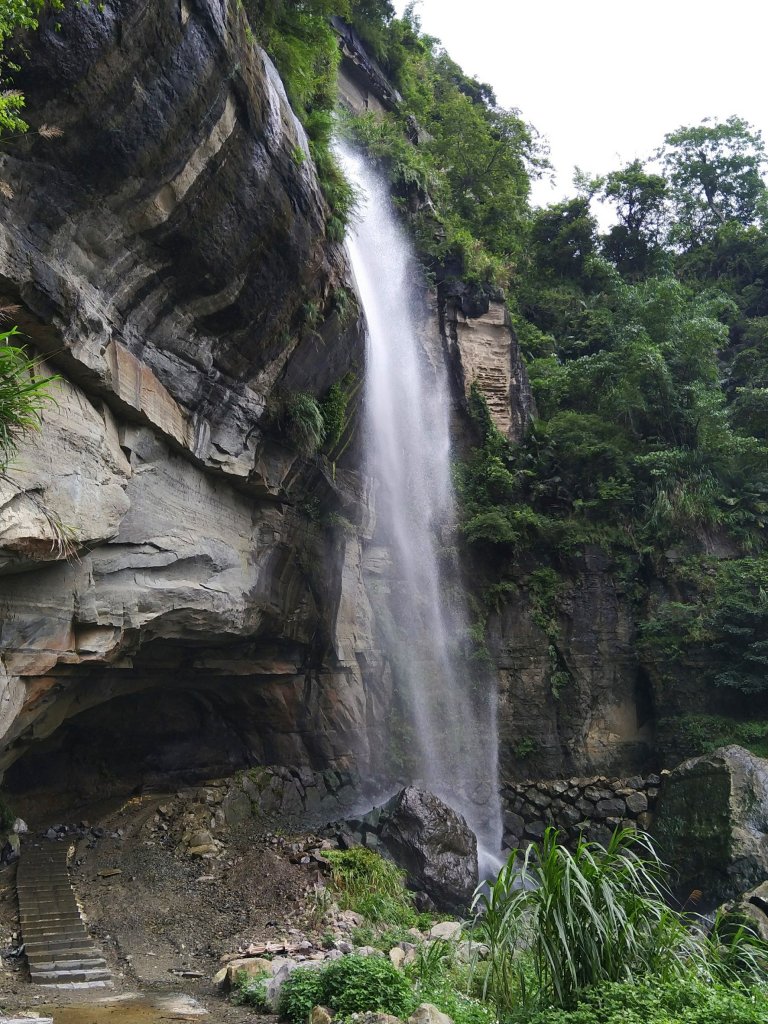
[371, 886]
[354, 984]
[23, 393]
[304, 422]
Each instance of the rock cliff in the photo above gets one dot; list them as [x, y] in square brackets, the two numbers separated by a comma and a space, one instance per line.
[176, 593]
[168, 256]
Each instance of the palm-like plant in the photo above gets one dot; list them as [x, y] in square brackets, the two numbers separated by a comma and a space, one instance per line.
[557, 922]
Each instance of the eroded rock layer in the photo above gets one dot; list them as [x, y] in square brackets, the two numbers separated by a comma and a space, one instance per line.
[168, 254]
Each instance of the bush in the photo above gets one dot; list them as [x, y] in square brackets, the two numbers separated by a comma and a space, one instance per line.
[300, 992]
[358, 983]
[371, 886]
[353, 984]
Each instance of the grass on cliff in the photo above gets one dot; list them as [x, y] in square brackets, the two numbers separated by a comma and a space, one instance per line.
[23, 393]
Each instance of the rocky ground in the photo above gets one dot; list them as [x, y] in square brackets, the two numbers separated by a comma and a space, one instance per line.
[171, 905]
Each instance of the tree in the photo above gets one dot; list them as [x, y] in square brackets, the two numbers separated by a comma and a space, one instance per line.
[640, 199]
[714, 173]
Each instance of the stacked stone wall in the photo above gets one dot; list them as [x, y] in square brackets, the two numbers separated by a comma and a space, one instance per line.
[593, 806]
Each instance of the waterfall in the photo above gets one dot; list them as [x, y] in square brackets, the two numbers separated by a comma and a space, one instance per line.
[446, 734]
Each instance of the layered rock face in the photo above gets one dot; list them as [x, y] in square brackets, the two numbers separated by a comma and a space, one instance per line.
[168, 255]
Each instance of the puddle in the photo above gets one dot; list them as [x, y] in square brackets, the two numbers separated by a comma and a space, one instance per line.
[127, 1011]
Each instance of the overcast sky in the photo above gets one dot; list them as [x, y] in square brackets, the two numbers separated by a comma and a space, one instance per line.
[604, 80]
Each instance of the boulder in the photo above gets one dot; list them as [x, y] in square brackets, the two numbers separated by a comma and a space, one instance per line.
[751, 909]
[433, 844]
[252, 967]
[712, 825]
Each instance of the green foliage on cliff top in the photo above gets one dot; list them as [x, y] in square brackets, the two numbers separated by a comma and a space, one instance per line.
[459, 163]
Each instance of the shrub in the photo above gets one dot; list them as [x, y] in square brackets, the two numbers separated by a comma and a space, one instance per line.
[300, 992]
[353, 984]
[561, 922]
[358, 983]
[371, 886]
[251, 991]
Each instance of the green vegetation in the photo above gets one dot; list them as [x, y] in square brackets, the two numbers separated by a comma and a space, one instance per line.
[560, 938]
[251, 991]
[352, 984]
[366, 883]
[15, 16]
[573, 933]
[304, 47]
[577, 920]
[22, 395]
[684, 1001]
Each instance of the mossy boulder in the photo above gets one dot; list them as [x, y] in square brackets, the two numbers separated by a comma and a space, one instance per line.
[712, 825]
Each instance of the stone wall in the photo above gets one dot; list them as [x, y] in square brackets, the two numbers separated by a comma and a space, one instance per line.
[592, 806]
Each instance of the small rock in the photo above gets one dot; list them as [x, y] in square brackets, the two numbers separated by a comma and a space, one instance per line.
[397, 956]
[320, 1015]
[344, 946]
[466, 952]
[450, 931]
[201, 851]
[427, 1013]
[368, 951]
[637, 802]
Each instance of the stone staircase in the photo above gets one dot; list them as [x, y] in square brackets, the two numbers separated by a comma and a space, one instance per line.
[59, 950]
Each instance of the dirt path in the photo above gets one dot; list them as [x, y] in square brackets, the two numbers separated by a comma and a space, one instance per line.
[166, 920]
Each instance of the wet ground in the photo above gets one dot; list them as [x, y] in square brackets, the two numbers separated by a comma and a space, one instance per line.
[128, 1011]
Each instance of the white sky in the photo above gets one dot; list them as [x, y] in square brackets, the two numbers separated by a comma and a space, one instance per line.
[604, 80]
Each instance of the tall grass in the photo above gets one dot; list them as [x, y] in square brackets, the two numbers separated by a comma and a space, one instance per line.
[366, 883]
[22, 395]
[557, 922]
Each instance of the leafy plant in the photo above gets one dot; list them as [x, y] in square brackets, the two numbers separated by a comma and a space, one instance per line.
[686, 1000]
[352, 984]
[251, 991]
[357, 983]
[302, 990]
[558, 922]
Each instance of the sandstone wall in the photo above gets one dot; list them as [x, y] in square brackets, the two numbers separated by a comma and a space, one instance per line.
[157, 555]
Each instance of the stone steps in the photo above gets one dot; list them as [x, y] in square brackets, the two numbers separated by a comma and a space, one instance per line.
[59, 950]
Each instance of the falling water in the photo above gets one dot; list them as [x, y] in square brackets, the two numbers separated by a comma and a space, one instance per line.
[447, 737]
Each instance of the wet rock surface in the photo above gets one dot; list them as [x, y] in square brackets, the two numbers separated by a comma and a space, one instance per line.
[429, 841]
